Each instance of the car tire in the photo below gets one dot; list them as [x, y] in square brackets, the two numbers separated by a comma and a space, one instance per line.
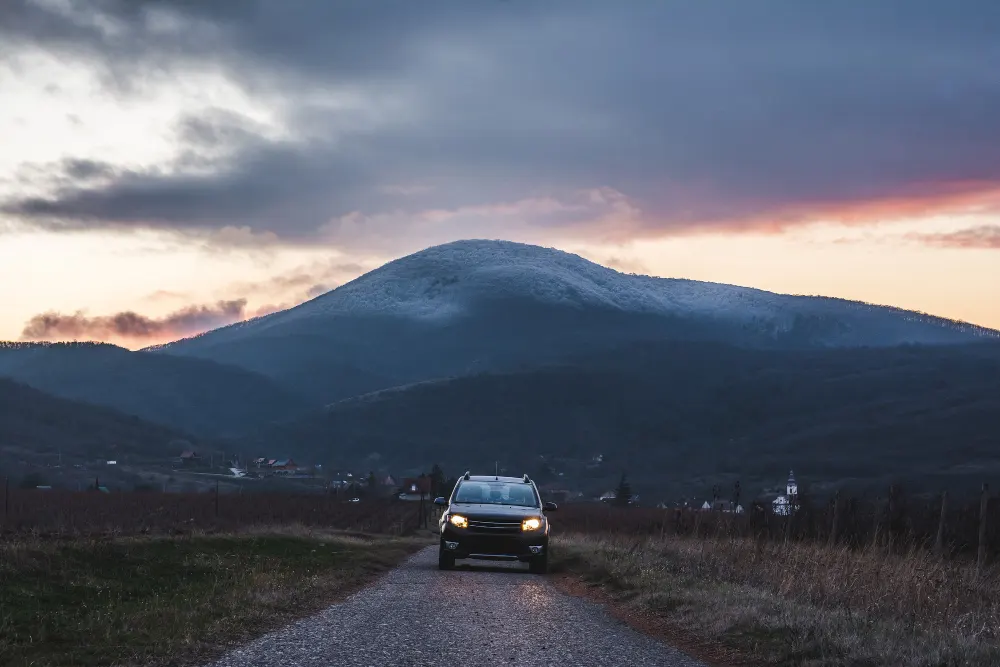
[446, 561]
[539, 564]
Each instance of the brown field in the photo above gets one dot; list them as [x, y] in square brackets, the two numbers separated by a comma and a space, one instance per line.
[134, 577]
[173, 600]
[761, 589]
[764, 602]
[860, 522]
[138, 513]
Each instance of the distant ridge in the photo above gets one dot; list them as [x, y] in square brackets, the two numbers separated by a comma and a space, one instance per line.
[195, 395]
[35, 424]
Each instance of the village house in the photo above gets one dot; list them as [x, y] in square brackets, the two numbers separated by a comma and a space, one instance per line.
[611, 498]
[341, 479]
[720, 505]
[555, 493]
[268, 466]
[284, 466]
[413, 488]
[189, 458]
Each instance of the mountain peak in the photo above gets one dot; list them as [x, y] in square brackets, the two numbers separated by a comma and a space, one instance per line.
[486, 278]
[451, 279]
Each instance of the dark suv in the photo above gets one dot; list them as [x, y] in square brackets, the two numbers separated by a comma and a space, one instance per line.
[495, 518]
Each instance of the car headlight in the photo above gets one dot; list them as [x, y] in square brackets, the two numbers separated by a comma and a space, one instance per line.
[458, 521]
[531, 523]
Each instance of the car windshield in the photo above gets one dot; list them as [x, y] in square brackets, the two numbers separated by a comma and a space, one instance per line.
[496, 493]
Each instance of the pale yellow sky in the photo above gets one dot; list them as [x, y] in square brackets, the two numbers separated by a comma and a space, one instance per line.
[155, 274]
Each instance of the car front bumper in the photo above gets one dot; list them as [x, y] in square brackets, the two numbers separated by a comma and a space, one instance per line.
[479, 546]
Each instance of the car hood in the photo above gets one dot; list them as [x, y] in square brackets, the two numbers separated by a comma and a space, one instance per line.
[490, 511]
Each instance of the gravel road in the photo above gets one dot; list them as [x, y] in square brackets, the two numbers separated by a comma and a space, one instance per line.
[489, 615]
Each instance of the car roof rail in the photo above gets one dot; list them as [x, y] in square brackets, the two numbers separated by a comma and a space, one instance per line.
[466, 475]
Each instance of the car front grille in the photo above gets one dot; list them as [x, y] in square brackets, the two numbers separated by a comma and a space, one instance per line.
[495, 527]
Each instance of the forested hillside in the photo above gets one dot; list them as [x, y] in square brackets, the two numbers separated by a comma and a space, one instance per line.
[689, 415]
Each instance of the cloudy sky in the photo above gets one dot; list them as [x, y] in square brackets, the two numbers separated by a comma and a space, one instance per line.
[170, 165]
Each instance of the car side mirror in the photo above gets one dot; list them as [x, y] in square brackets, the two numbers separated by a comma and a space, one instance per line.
[440, 501]
[550, 507]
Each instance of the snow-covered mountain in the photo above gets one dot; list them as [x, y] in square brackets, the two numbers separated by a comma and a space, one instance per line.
[476, 305]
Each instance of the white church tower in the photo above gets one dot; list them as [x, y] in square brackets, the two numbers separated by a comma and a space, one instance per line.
[788, 503]
[792, 489]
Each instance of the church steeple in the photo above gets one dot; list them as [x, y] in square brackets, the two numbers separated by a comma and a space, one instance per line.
[793, 487]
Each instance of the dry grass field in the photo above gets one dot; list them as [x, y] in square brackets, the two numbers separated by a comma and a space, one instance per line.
[172, 600]
[776, 603]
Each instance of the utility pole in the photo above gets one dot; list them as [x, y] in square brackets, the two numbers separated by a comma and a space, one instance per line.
[835, 524]
[984, 500]
[939, 540]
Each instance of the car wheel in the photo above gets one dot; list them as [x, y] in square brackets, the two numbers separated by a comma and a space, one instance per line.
[539, 564]
[446, 561]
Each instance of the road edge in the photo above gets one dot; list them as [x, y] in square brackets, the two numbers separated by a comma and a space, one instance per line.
[660, 628]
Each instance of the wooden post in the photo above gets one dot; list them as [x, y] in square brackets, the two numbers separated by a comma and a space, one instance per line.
[876, 523]
[983, 502]
[939, 540]
[890, 523]
[835, 526]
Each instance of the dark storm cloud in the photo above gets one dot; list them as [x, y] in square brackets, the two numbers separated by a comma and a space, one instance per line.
[85, 170]
[284, 188]
[699, 113]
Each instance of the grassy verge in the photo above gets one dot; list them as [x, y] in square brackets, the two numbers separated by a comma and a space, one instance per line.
[801, 605]
[177, 600]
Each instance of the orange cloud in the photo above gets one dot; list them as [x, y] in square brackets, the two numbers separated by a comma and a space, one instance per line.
[626, 222]
[916, 201]
[129, 325]
[982, 237]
